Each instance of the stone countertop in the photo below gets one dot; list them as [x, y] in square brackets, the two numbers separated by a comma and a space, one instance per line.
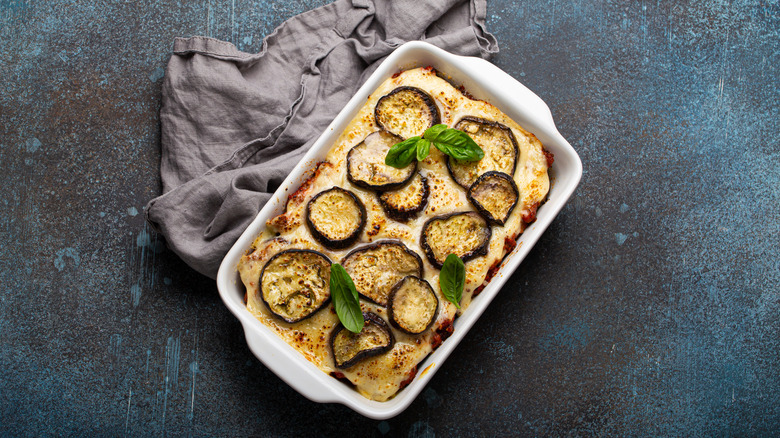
[651, 306]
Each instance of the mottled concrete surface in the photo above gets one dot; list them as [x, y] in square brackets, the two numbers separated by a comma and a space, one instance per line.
[650, 307]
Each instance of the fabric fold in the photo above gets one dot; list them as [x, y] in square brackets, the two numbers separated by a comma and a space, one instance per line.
[234, 124]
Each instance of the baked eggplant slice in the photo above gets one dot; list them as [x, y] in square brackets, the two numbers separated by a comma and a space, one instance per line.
[295, 284]
[350, 348]
[366, 164]
[376, 268]
[336, 217]
[496, 140]
[494, 195]
[464, 234]
[412, 305]
[406, 202]
[406, 112]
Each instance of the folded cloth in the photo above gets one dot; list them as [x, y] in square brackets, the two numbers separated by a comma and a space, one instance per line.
[234, 124]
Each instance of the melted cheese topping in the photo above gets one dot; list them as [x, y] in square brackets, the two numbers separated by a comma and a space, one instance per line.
[380, 377]
[335, 215]
[496, 144]
[367, 161]
[459, 234]
[494, 194]
[376, 270]
[407, 198]
[413, 305]
[295, 284]
[404, 113]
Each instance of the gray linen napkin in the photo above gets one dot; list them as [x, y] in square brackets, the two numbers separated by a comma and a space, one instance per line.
[234, 124]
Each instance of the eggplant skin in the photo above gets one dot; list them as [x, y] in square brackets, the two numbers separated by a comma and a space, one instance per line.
[406, 202]
[405, 308]
[494, 195]
[350, 348]
[406, 112]
[465, 234]
[376, 268]
[496, 140]
[366, 166]
[334, 203]
[295, 284]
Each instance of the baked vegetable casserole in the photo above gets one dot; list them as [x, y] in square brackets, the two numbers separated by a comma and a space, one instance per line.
[393, 229]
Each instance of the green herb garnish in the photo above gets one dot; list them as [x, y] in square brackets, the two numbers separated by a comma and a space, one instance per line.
[452, 278]
[453, 142]
[403, 152]
[345, 299]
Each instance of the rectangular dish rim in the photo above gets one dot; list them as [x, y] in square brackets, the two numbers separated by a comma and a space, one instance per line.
[280, 357]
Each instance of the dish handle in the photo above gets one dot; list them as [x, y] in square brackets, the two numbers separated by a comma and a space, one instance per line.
[308, 382]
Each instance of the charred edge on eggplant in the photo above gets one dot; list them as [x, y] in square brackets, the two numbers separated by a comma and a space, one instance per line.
[366, 163]
[412, 305]
[406, 112]
[465, 234]
[404, 203]
[350, 348]
[295, 284]
[376, 268]
[488, 135]
[494, 195]
[320, 207]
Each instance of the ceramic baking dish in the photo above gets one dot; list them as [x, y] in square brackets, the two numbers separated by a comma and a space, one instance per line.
[482, 80]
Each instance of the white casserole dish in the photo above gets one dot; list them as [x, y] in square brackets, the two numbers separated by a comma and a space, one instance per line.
[483, 81]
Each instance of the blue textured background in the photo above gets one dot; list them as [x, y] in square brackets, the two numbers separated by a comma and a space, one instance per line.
[650, 307]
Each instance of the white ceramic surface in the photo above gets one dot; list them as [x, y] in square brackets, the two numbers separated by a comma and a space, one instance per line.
[484, 81]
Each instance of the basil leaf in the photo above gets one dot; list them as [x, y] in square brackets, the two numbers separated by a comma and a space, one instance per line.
[454, 143]
[452, 278]
[432, 132]
[457, 144]
[402, 154]
[423, 149]
[345, 299]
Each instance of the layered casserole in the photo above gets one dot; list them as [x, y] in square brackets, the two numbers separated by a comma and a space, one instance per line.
[392, 229]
